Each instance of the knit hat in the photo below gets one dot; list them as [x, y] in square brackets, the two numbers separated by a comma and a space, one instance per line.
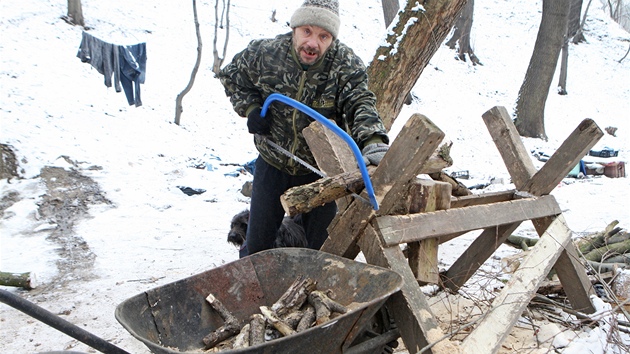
[321, 13]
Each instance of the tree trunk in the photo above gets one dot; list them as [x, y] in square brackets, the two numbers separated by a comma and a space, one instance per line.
[573, 26]
[416, 37]
[193, 75]
[75, 13]
[530, 105]
[461, 34]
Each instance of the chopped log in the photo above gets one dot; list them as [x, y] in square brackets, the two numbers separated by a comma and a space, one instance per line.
[521, 242]
[294, 297]
[242, 339]
[304, 198]
[607, 267]
[596, 240]
[229, 328]
[324, 306]
[459, 189]
[622, 258]
[293, 318]
[256, 329]
[597, 254]
[276, 322]
[26, 280]
[308, 319]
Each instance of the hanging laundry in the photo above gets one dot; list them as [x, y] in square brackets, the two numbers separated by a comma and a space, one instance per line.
[133, 62]
[127, 64]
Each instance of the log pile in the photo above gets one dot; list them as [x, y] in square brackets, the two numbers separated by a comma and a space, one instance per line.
[605, 251]
[301, 307]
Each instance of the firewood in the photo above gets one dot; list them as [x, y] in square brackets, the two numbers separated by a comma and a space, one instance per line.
[276, 322]
[229, 329]
[26, 280]
[256, 329]
[324, 306]
[242, 339]
[521, 242]
[597, 254]
[294, 297]
[308, 319]
[293, 318]
[596, 240]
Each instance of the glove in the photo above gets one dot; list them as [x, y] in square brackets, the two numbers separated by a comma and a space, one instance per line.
[373, 153]
[257, 124]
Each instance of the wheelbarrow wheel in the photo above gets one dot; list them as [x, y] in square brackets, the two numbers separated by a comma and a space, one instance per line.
[380, 337]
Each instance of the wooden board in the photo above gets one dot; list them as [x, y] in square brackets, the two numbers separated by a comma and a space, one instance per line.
[508, 306]
[397, 229]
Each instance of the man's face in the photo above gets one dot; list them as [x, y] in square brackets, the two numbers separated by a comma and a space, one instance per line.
[311, 43]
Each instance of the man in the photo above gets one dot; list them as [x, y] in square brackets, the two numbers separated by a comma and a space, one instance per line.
[312, 66]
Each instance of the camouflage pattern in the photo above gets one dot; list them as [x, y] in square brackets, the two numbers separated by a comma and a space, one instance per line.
[269, 66]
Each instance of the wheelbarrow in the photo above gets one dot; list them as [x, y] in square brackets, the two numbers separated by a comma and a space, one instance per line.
[175, 317]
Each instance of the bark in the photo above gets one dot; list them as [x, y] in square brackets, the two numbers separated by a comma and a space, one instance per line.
[530, 105]
[256, 329]
[416, 37]
[193, 75]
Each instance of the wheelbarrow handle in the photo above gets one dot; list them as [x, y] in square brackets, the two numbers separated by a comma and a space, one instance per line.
[330, 125]
[59, 323]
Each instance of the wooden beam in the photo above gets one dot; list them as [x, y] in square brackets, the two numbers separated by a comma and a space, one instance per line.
[479, 199]
[572, 150]
[408, 228]
[414, 318]
[508, 306]
[508, 142]
[426, 196]
[406, 157]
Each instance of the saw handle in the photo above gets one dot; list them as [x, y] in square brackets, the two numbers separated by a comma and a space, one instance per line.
[330, 125]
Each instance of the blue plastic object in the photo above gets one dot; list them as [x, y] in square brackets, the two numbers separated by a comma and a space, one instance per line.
[330, 125]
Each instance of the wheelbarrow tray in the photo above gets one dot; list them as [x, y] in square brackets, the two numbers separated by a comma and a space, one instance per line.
[175, 317]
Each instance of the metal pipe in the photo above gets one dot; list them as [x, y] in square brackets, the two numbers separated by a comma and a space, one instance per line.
[59, 323]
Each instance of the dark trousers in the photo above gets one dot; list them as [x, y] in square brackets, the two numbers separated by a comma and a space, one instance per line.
[266, 212]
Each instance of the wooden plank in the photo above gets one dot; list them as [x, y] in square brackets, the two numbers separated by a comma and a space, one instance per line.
[426, 196]
[508, 306]
[408, 228]
[572, 150]
[401, 164]
[479, 199]
[508, 142]
[414, 318]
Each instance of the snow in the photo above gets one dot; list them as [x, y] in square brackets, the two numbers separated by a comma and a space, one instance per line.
[52, 105]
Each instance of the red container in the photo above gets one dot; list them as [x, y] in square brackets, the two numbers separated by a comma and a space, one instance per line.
[615, 169]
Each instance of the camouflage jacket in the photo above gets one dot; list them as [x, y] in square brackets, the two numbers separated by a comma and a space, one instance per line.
[336, 87]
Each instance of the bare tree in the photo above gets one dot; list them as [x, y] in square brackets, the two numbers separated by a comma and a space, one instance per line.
[572, 28]
[461, 34]
[225, 15]
[530, 105]
[75, 13]
[180, 97]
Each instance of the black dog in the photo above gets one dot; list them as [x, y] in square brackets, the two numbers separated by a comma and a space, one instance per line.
[290, 234]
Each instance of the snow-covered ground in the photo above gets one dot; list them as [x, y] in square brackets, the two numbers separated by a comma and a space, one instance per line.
[53, 105]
